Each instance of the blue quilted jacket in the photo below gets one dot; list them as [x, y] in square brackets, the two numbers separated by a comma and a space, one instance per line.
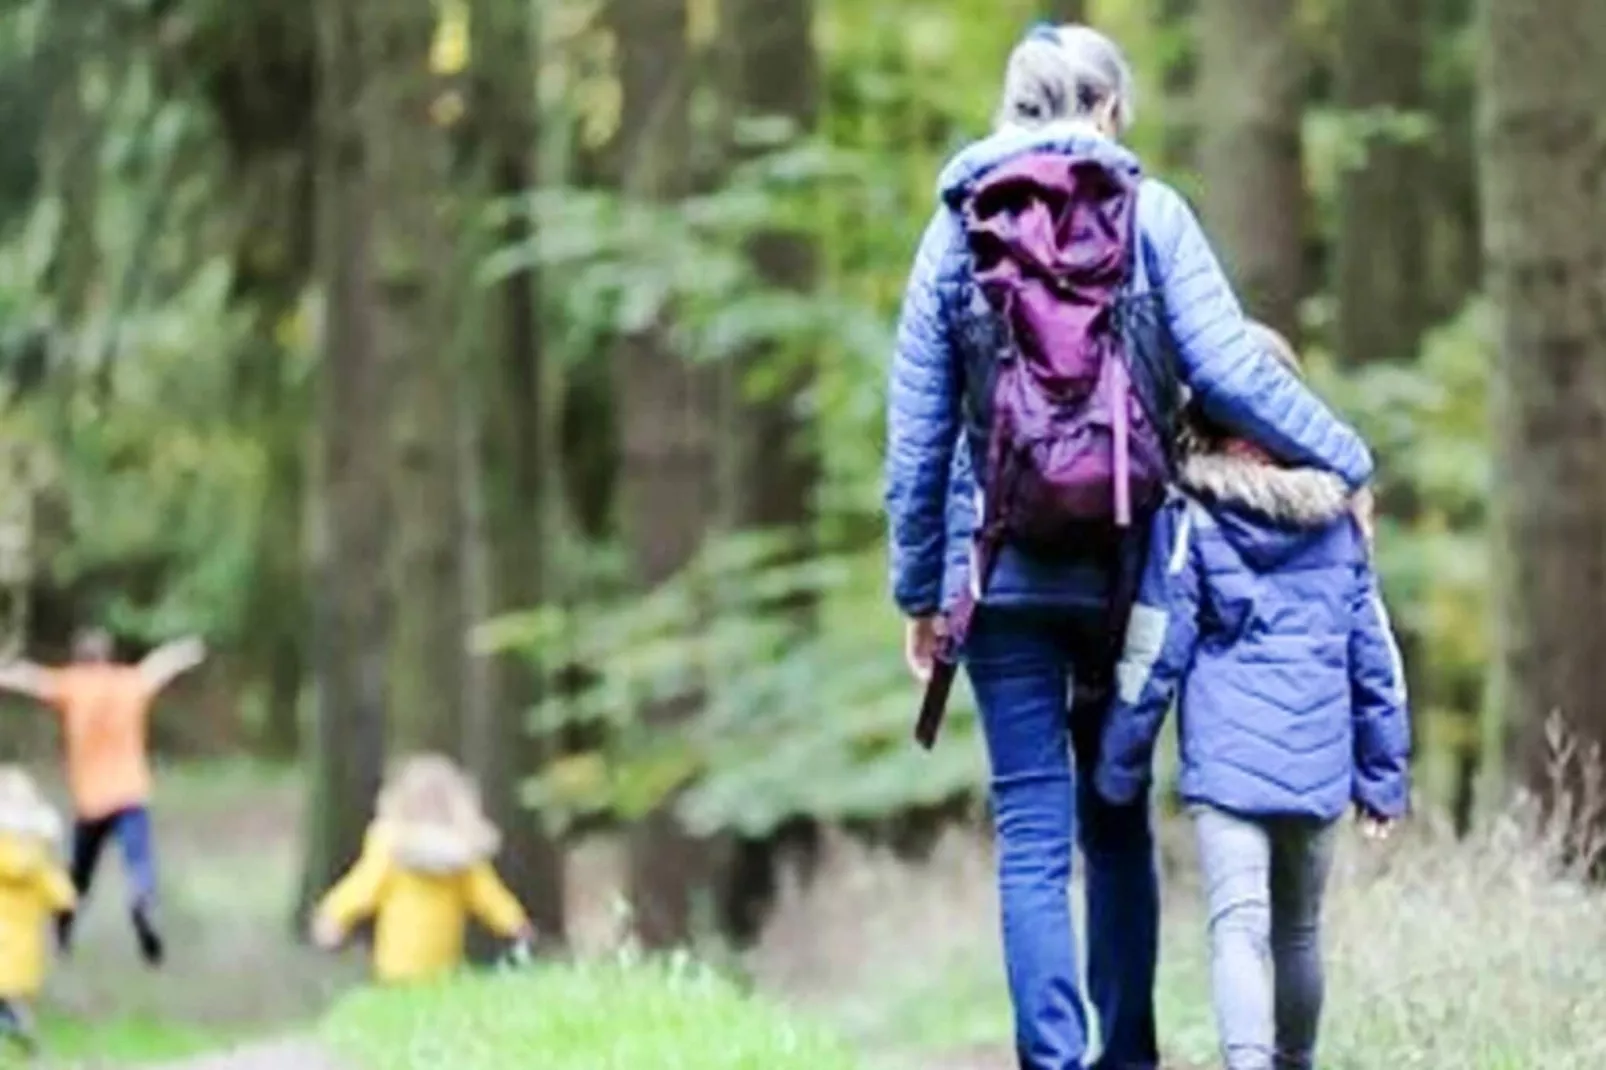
[931, 488]
[1259, 605]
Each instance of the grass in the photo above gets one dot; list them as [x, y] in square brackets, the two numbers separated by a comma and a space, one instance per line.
[72, 1044]
[1478, 955]
[600, 1016]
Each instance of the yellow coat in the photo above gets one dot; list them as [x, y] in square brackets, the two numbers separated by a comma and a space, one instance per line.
[421, 896]
[33, 888]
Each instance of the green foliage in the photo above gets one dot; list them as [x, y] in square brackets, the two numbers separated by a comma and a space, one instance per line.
[597, 1016]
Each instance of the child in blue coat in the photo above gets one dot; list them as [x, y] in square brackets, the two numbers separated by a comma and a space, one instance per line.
[1259, 605]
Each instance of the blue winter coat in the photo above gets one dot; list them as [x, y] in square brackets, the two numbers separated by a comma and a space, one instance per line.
[1258, 601]
[930, 485]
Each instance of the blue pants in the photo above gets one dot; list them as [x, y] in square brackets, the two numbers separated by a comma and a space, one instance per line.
[1021, 663]
[131, 828]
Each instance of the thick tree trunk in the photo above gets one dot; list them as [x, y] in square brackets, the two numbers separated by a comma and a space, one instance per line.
[669, 410]
[1179, 87]
[1251, 78]
[408, 172]
[1543, 150]
[774, 73]
[1382, 247]
[512, 456]
[351, 607]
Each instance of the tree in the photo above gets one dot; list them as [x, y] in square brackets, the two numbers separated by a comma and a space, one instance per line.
[669, 413]
[1251, 70]
[512, 457]
[1382, 240]
[408, 178]
[775, 75]
[351, 597]
[1542, 145]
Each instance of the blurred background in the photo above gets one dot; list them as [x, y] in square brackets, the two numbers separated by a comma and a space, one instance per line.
[507, 379]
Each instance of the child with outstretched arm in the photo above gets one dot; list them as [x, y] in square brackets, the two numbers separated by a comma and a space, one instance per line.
[105, 713]
[33, 887]
[426, 868]
[1259, 605]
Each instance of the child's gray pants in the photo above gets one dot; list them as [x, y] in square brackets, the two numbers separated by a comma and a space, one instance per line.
[1264, 879]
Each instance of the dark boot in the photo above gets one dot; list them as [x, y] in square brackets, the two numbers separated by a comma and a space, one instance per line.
[64, 931]
[150, 938]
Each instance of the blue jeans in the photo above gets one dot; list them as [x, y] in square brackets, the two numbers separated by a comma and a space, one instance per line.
[1021, 662]
[131, 828]
[1264, 880]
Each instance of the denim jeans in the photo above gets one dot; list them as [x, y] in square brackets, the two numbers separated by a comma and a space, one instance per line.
[1020, 663]
[1264, 880]
[131, 828]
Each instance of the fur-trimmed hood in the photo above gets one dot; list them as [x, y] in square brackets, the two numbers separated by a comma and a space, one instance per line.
[1292, 497]
[430, 817]
[1267, 513]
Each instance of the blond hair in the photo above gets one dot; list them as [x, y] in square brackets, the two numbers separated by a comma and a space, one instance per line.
[24, 810]
[430, 791]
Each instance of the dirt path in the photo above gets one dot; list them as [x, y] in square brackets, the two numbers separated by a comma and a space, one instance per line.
[292, 1054]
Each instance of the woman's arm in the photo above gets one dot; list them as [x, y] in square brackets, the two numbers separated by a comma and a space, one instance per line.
[922, 426]
[1237, 384]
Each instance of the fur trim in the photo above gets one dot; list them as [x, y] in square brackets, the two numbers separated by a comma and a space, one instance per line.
[1301, 497]
[439, 849]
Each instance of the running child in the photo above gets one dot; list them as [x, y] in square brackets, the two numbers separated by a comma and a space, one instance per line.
[426, 868]
[1258, 603]
[105, 713]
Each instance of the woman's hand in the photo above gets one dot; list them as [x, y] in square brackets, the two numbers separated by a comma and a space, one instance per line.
[1373, 826]
[920, 638]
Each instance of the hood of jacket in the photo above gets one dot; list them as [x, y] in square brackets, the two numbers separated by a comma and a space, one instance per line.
[1267, 512]
[1071, 137]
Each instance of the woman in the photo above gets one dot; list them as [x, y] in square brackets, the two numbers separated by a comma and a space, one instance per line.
[1067, 90]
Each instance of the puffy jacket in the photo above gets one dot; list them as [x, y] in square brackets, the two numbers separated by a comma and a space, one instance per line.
[930, 484]
[1258, 601]
[421, 891]
[33, 888]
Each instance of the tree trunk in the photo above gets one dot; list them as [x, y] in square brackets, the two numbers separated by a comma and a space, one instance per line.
[1063, 12]
[1382, 246]
[669, 409]
[351, 608]
[1543, 153]
[774, 74]
[408, 173]
[1251, 78]
[513, 461]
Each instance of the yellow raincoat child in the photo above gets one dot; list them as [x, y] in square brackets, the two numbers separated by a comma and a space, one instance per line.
[425, 870]
[33, 889]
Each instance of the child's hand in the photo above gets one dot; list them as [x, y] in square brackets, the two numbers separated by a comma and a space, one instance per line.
[1374, 827]
[326, 935]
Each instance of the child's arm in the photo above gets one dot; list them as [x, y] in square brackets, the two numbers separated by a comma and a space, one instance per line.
[56, 890]
[170, 661]
[1160, 642]
[26, 678]
[355, 896]
[1382, 719]
[493, 904]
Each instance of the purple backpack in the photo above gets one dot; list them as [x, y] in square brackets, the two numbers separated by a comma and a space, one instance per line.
[1082, 399]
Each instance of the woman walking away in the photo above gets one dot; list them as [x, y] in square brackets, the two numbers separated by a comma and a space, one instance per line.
[1259, 604]
[425, 868]
[1047, 613]
[33, 887]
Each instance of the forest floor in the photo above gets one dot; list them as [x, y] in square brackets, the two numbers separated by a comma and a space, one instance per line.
[1474, 955]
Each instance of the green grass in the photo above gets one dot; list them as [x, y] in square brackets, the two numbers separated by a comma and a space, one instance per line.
[1475, 955]
[71, 1043]
[601, 1016]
